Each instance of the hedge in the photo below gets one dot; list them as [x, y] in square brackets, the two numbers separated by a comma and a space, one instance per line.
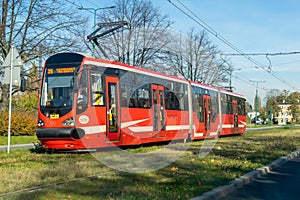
[22, 123]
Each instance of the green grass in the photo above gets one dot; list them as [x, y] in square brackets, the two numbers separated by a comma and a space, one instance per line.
[18, 140]
[185, 178]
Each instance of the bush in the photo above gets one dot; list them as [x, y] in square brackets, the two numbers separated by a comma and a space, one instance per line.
[27, 101]
[22, 123]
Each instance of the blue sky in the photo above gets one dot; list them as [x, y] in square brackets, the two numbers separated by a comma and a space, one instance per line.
[253, 26]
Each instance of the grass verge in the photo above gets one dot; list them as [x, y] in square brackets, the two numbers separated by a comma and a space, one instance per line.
[185, 178]
[18, 140]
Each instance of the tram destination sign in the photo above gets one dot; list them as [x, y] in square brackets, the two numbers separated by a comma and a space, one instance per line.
[60, 70]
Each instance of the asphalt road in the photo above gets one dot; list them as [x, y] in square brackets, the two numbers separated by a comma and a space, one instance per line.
[282, 183]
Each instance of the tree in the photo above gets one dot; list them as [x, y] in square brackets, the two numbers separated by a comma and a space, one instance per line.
[248, 107]
[294, 98]
[148, 41]
[194, 57]
[283, 97]
[142, 39]
[273, 93]
[263, 114]
[272, 108]
[273, 97]
[37, 28]
[257, 103]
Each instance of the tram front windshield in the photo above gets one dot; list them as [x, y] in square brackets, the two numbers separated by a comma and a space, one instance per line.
[57, 91]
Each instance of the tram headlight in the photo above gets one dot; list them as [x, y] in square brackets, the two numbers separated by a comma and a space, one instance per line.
[41, 123]
[69, 122]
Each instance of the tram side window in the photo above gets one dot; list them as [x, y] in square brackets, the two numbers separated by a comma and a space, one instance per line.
[199, 107]
[241, 106]
[176, 96]
[224, 103]
[82, 99]
[140, 98]
[172, 102]
[229, 108]
[214, 105]
[97, 89]
[82, 92]
[127, 84]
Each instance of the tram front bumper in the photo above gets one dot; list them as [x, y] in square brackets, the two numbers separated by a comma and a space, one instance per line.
[76, 133]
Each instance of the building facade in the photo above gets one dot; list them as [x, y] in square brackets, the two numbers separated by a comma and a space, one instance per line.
[284, 116]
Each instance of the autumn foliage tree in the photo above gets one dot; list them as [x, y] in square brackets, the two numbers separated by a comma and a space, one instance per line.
[294, 98]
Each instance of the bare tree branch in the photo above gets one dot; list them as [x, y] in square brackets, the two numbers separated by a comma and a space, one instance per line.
[194, 57]
[143, 38]
[38, 28]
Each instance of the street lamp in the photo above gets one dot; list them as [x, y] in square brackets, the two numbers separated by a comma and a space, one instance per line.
[95, 10]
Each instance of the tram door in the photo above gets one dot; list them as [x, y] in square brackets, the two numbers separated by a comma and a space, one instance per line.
[235, 114]
[207, 112]
[158, 110]
[112, 109]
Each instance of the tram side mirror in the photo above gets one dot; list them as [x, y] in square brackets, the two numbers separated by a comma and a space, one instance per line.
[23, 84]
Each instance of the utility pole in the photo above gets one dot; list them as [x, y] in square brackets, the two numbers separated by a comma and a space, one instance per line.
[95, 10]
[256, 98]
[230, 71]
[230, 77]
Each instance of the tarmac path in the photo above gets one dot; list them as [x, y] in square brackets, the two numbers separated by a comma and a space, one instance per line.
[279, 180]
[281, 183]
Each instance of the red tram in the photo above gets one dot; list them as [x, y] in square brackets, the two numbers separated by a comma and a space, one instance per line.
[88, 103]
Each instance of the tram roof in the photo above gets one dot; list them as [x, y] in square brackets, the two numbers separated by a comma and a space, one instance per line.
[117, 65]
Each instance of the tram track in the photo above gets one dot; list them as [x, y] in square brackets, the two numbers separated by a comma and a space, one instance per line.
[52, 185]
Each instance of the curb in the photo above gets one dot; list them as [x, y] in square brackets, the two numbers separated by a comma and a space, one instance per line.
[224, 190]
